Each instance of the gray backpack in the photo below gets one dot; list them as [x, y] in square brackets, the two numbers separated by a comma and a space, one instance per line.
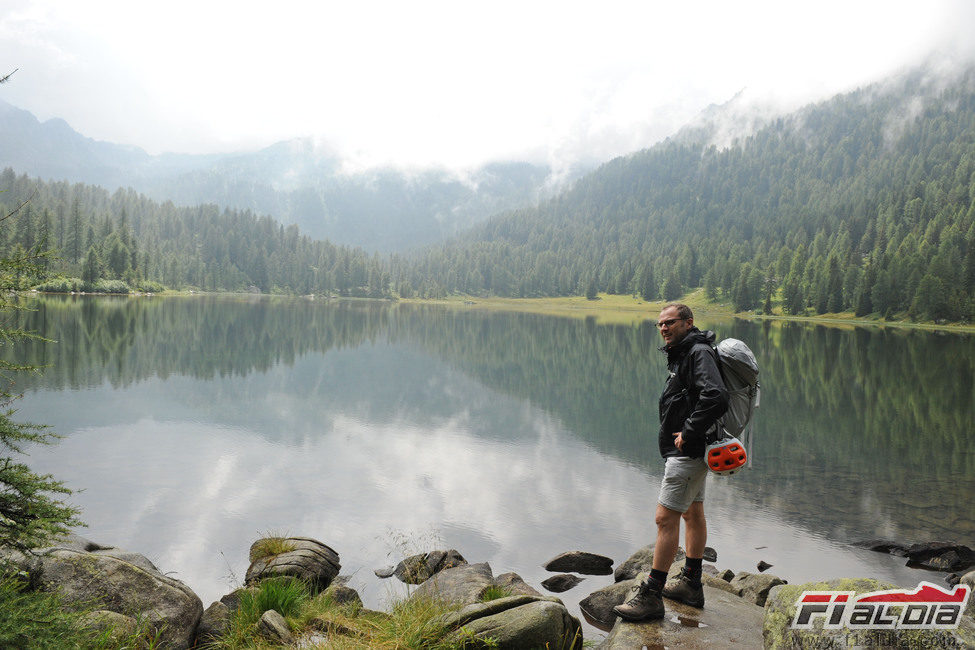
[739, 370]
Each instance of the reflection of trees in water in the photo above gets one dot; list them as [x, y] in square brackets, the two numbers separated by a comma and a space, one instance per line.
[872, 424]
[867, 424]
[123, 340]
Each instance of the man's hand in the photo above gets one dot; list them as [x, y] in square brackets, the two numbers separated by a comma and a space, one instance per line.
[679, 440]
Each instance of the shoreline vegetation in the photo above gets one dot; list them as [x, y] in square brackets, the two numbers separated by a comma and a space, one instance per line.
[606, 309]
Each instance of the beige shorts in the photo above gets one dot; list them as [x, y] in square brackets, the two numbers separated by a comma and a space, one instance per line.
[683, 483]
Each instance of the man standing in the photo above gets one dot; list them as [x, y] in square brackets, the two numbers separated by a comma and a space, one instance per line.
[693, 400]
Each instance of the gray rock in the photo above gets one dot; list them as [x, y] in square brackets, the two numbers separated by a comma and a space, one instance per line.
[561, 582]
[754, 588]
[725, 622]
[464, 584]
[722, 583]
[516, 622]
[514, 585]
[598, 606]
[941, 556]
[232, 600]
[303, 557]
[640, 562]
[710, 555]
[882, 546]
[763, 566]
[120, 628]
[969, 579]
[780, 610]
[417, 569]
[274, 628]
[343, 595]
[385, 572]
[120, 582]
[214, 623]
[726, 575]
[581, 562]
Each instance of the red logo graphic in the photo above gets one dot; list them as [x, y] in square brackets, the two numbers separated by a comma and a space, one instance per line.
[927, 607]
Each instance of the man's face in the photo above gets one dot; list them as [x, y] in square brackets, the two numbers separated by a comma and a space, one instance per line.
[672, 327]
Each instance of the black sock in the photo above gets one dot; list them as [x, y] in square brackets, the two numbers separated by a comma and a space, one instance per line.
[692, 568]
[658, 577]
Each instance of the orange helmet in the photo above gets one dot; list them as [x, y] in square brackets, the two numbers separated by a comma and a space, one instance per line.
[726, 456]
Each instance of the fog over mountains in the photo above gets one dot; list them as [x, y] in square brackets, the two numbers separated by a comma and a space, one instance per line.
[299, 181]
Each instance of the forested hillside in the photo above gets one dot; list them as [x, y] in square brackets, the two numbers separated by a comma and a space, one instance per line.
[123, 237]
[862, 203]
[299, 181]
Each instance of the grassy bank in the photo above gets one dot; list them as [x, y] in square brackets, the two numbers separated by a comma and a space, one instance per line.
[629, 310]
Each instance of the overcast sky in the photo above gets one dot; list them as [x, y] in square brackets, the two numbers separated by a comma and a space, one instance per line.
[453, 83]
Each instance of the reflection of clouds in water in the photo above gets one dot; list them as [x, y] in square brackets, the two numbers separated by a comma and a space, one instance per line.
[192, 497]
[203, 490]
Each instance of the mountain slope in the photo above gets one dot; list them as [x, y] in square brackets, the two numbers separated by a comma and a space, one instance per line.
[297, 181]
[863, 202]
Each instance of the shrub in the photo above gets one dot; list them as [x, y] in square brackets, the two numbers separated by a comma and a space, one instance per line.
[60, 285]
[110, 286]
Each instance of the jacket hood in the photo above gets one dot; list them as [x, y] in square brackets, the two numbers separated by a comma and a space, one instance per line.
[692, 337]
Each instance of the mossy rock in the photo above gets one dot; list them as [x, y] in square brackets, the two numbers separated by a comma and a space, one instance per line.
[780, 610]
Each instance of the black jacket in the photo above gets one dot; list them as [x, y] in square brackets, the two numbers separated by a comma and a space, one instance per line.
[695, 395]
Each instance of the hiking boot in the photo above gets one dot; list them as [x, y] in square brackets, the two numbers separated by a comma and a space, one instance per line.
[644, 606]
[684, 590]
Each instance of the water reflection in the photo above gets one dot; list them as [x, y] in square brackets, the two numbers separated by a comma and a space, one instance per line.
[194, 425]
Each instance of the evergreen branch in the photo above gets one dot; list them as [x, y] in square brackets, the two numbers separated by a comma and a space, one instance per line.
[25, 201]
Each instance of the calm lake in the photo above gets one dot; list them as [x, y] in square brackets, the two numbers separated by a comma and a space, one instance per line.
[191, 426]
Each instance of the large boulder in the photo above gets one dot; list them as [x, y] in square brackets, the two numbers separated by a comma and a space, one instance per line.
[87, 574]
[462, 585]
[301, 557]
[515, 622]
[521, 621]
[726, 621]
[780, 611]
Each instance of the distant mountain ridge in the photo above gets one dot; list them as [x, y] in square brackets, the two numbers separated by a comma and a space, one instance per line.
[296, 181]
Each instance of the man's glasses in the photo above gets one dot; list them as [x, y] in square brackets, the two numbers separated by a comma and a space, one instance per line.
[667, 323]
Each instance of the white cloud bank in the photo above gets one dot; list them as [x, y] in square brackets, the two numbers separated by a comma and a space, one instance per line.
[444, 82]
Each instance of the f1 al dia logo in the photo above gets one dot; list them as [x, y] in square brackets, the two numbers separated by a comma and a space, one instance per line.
[928, 607]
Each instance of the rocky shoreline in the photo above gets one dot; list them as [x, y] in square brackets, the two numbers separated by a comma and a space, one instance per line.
[742, 609]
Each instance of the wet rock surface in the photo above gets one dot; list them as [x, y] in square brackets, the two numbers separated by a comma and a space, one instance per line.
[938, 556]
[581, 562]
[726, 621]
[561, 582]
